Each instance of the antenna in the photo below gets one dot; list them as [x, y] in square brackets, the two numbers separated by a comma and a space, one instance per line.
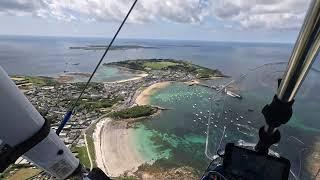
[69, 113]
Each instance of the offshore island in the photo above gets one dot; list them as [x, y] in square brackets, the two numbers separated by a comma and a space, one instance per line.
[100, 132]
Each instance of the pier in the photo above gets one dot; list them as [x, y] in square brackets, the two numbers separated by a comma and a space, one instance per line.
[217, 88]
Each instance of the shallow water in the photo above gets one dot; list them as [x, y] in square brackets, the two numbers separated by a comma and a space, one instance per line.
[107, 74]
[174, 134]
[182, 131]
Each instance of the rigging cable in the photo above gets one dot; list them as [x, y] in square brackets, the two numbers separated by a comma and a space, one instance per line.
[69, 113]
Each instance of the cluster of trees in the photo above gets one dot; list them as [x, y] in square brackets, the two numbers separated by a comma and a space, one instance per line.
[135, 65]
[207, 73]
[134, 112]
[94, 104]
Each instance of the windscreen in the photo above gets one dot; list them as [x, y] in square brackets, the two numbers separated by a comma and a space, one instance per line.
[234, 116]
[181, 80]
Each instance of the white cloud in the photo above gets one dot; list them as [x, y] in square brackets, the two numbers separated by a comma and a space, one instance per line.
[182, 11]
[270, 14]
[19, 7]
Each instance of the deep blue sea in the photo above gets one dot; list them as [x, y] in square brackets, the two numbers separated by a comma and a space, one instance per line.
[48, 55]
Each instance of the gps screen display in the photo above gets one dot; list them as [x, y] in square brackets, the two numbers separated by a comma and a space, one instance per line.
[245, 163]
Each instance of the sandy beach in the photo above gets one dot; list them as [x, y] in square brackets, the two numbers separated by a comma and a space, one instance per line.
[144, 97]
[139, 76]
[115, 148]
[97, 144]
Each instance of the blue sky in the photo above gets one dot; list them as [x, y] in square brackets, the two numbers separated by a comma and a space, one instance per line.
[213, 20]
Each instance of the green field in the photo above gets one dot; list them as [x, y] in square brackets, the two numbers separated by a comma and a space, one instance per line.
[159, 65]
[91, 149]
[23, 173]
[36, 80]
[82, 155]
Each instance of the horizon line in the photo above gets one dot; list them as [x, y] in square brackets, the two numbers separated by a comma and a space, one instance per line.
[139, 38]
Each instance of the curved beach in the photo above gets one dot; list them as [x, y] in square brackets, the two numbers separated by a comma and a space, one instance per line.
[138, 76]
[144, 97]
[115, 150]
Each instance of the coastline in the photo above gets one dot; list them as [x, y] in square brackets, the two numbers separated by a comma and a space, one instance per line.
[64, 78]
[118, 151]
[122, 156]
[70, 77]
[144, 97]
[138, 76]
[97, 146]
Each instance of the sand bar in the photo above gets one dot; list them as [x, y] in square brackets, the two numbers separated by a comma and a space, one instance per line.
[144, 97]
[139, 76]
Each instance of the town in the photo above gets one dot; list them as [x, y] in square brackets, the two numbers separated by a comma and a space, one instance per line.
[53, 99]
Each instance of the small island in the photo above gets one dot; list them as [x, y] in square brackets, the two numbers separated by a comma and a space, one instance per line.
[170, 65]
[112, 48]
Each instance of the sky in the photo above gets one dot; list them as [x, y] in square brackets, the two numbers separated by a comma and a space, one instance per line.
[209, 20]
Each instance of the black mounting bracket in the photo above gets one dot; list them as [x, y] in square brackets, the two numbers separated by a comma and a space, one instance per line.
[275, 114]
[278, 112]
[8, 154]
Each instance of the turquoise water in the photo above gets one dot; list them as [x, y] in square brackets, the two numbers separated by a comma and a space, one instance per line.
[178, 136]
[107, 74]
[143, 140]
[173, 133]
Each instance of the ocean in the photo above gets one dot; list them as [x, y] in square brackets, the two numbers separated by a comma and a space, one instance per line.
[49, 55]
[178, 137]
